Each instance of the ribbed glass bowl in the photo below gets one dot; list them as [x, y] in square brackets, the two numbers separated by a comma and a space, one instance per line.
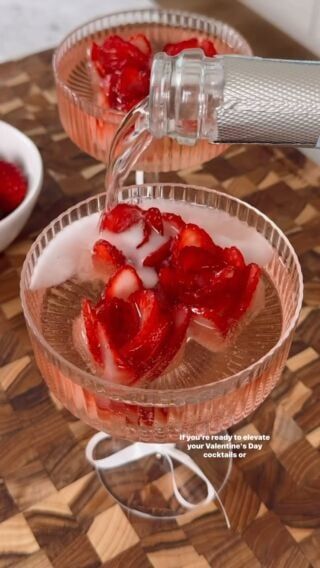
[92, 126]
[204, 408]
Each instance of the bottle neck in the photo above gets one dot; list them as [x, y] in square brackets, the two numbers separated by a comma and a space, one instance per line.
[184, 93]
[235, 99]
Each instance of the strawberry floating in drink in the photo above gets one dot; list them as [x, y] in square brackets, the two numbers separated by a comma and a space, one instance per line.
[201, 291]
[121, 66]
[130, 333]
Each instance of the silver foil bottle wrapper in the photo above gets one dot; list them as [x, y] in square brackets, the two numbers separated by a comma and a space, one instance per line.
[267, 101]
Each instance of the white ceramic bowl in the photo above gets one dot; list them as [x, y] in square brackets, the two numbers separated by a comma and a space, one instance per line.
[16, 147]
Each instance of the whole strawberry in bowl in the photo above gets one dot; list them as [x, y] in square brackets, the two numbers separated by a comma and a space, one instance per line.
[21, 173]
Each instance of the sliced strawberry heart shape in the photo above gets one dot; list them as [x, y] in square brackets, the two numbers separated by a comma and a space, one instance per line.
[123, 283]
[106, 256]
[134, 333]
[121, 218]
[154, 326]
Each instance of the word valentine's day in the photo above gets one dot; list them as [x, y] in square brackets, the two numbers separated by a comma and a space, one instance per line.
[225, 445]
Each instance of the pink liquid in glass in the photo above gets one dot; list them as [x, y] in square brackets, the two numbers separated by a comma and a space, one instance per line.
[204, 391]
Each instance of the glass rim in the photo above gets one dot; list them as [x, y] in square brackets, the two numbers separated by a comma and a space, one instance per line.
[97, 110]
[118, 391]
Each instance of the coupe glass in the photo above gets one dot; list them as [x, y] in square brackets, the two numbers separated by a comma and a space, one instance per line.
[222, 395]
[92, 126]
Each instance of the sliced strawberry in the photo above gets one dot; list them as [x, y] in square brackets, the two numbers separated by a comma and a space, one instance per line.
[115, 53]
[139, 353]
[106, 256]
[175, 48]
[126, 53]
[98, 60]
[13, 186]
[216, 290]
[159, 256]
[234, 257]
[115, 367]
[127, 68]
[192, 236]
[120, 318]
[208, 47]
[174, 221]
[91, 324]
[223, 278]
[121, 218]
[252, 275]
[205, 44]
[152, 221]
[141, 42]
[154, 218]
[193, 258]
[147, 229]
[180, 319]
[221, 322]
[225, 306]
[168, 279]
[123, 283]
[128, 87]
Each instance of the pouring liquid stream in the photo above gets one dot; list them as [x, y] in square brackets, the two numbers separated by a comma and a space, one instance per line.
[131, 140]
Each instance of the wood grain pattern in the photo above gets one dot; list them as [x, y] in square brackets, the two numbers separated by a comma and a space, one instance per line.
[53, 510]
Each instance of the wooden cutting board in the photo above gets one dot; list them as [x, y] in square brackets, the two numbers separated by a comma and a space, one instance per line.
[53, 511]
